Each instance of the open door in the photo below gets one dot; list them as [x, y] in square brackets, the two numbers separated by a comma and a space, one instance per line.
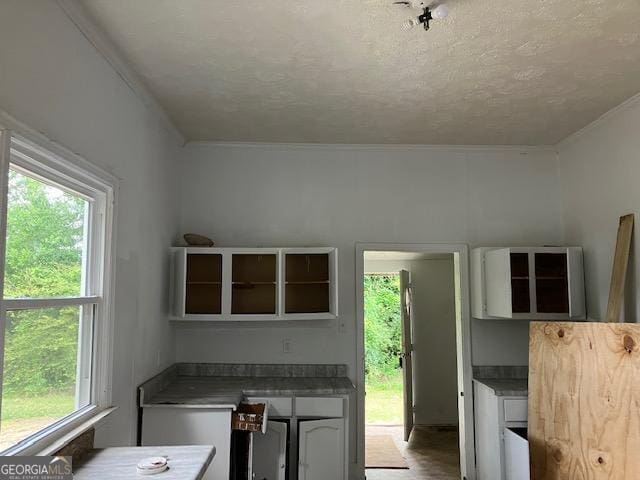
[269, 452]
[406, 357]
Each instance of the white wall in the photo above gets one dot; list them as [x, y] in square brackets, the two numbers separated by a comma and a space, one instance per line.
[52, 79]
[331, 195]
[434, 336]
[599, 173]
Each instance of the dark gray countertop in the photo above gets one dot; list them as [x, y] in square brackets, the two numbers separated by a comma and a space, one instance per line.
[180, 387]
[506, 387]
[228, 392]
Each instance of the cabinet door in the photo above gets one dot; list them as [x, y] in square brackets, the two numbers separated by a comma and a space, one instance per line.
[191, 426]
[516, 454]
[269, 450]
[577, 308]
[498, 283]
[321, 450]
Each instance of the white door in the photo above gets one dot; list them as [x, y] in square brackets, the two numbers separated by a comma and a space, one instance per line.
[270, 452]
[406, 357]
[321, 449]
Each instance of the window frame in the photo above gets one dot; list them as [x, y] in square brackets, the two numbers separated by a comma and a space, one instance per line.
[41, 157]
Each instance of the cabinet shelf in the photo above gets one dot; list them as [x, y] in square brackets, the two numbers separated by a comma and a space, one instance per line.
[254, 284]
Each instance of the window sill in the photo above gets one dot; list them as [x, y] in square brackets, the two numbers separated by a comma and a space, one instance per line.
[52, 439]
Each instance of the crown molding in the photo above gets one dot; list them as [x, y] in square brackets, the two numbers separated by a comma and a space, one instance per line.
[602, 119]
[363, 146]
[78, 15]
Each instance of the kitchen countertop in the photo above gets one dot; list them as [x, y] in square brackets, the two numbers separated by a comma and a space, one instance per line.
[224, 390]
[188, 462]
[506, 387]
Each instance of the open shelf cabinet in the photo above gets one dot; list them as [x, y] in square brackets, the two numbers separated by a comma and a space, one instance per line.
[529, 283]
[241, 284]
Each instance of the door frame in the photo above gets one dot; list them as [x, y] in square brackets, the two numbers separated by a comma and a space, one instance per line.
[463, 345]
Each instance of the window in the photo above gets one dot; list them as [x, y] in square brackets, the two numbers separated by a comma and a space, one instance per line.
[54, 310]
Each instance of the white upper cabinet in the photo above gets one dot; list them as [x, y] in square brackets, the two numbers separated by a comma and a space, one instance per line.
[528, 283]
[240, 284]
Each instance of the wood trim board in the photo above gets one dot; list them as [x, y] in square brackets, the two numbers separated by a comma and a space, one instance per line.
[619, 271]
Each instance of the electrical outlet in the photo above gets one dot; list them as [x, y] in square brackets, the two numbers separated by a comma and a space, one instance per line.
[286, 345]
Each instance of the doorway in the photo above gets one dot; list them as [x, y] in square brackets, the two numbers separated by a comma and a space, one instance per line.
[383, 348]
[413, 324]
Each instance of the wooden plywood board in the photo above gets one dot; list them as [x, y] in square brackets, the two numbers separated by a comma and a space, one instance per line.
[619, 271]
[584, 400]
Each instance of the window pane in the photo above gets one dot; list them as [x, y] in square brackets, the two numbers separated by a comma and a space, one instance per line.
[45, 240]
[42, 382]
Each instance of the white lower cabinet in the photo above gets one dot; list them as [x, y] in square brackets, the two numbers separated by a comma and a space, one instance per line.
[321, 454]
[269, 452]
[495, 414]
[191, 426]
[306, 438]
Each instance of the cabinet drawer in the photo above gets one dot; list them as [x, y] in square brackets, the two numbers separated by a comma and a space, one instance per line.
[515, 410]
[319, 407]
[250, 417]
[278, 406]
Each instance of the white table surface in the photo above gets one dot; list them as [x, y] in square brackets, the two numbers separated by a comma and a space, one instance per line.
[188, 462]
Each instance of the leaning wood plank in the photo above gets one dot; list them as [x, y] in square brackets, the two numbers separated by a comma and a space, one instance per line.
[584, 401]
[619, 271]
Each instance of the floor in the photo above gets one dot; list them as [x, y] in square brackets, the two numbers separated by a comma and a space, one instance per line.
[432, 454]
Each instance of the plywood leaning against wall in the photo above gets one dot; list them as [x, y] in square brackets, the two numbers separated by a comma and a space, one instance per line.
[584, 401]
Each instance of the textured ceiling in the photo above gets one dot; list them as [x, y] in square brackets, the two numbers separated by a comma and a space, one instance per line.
[343, 71]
